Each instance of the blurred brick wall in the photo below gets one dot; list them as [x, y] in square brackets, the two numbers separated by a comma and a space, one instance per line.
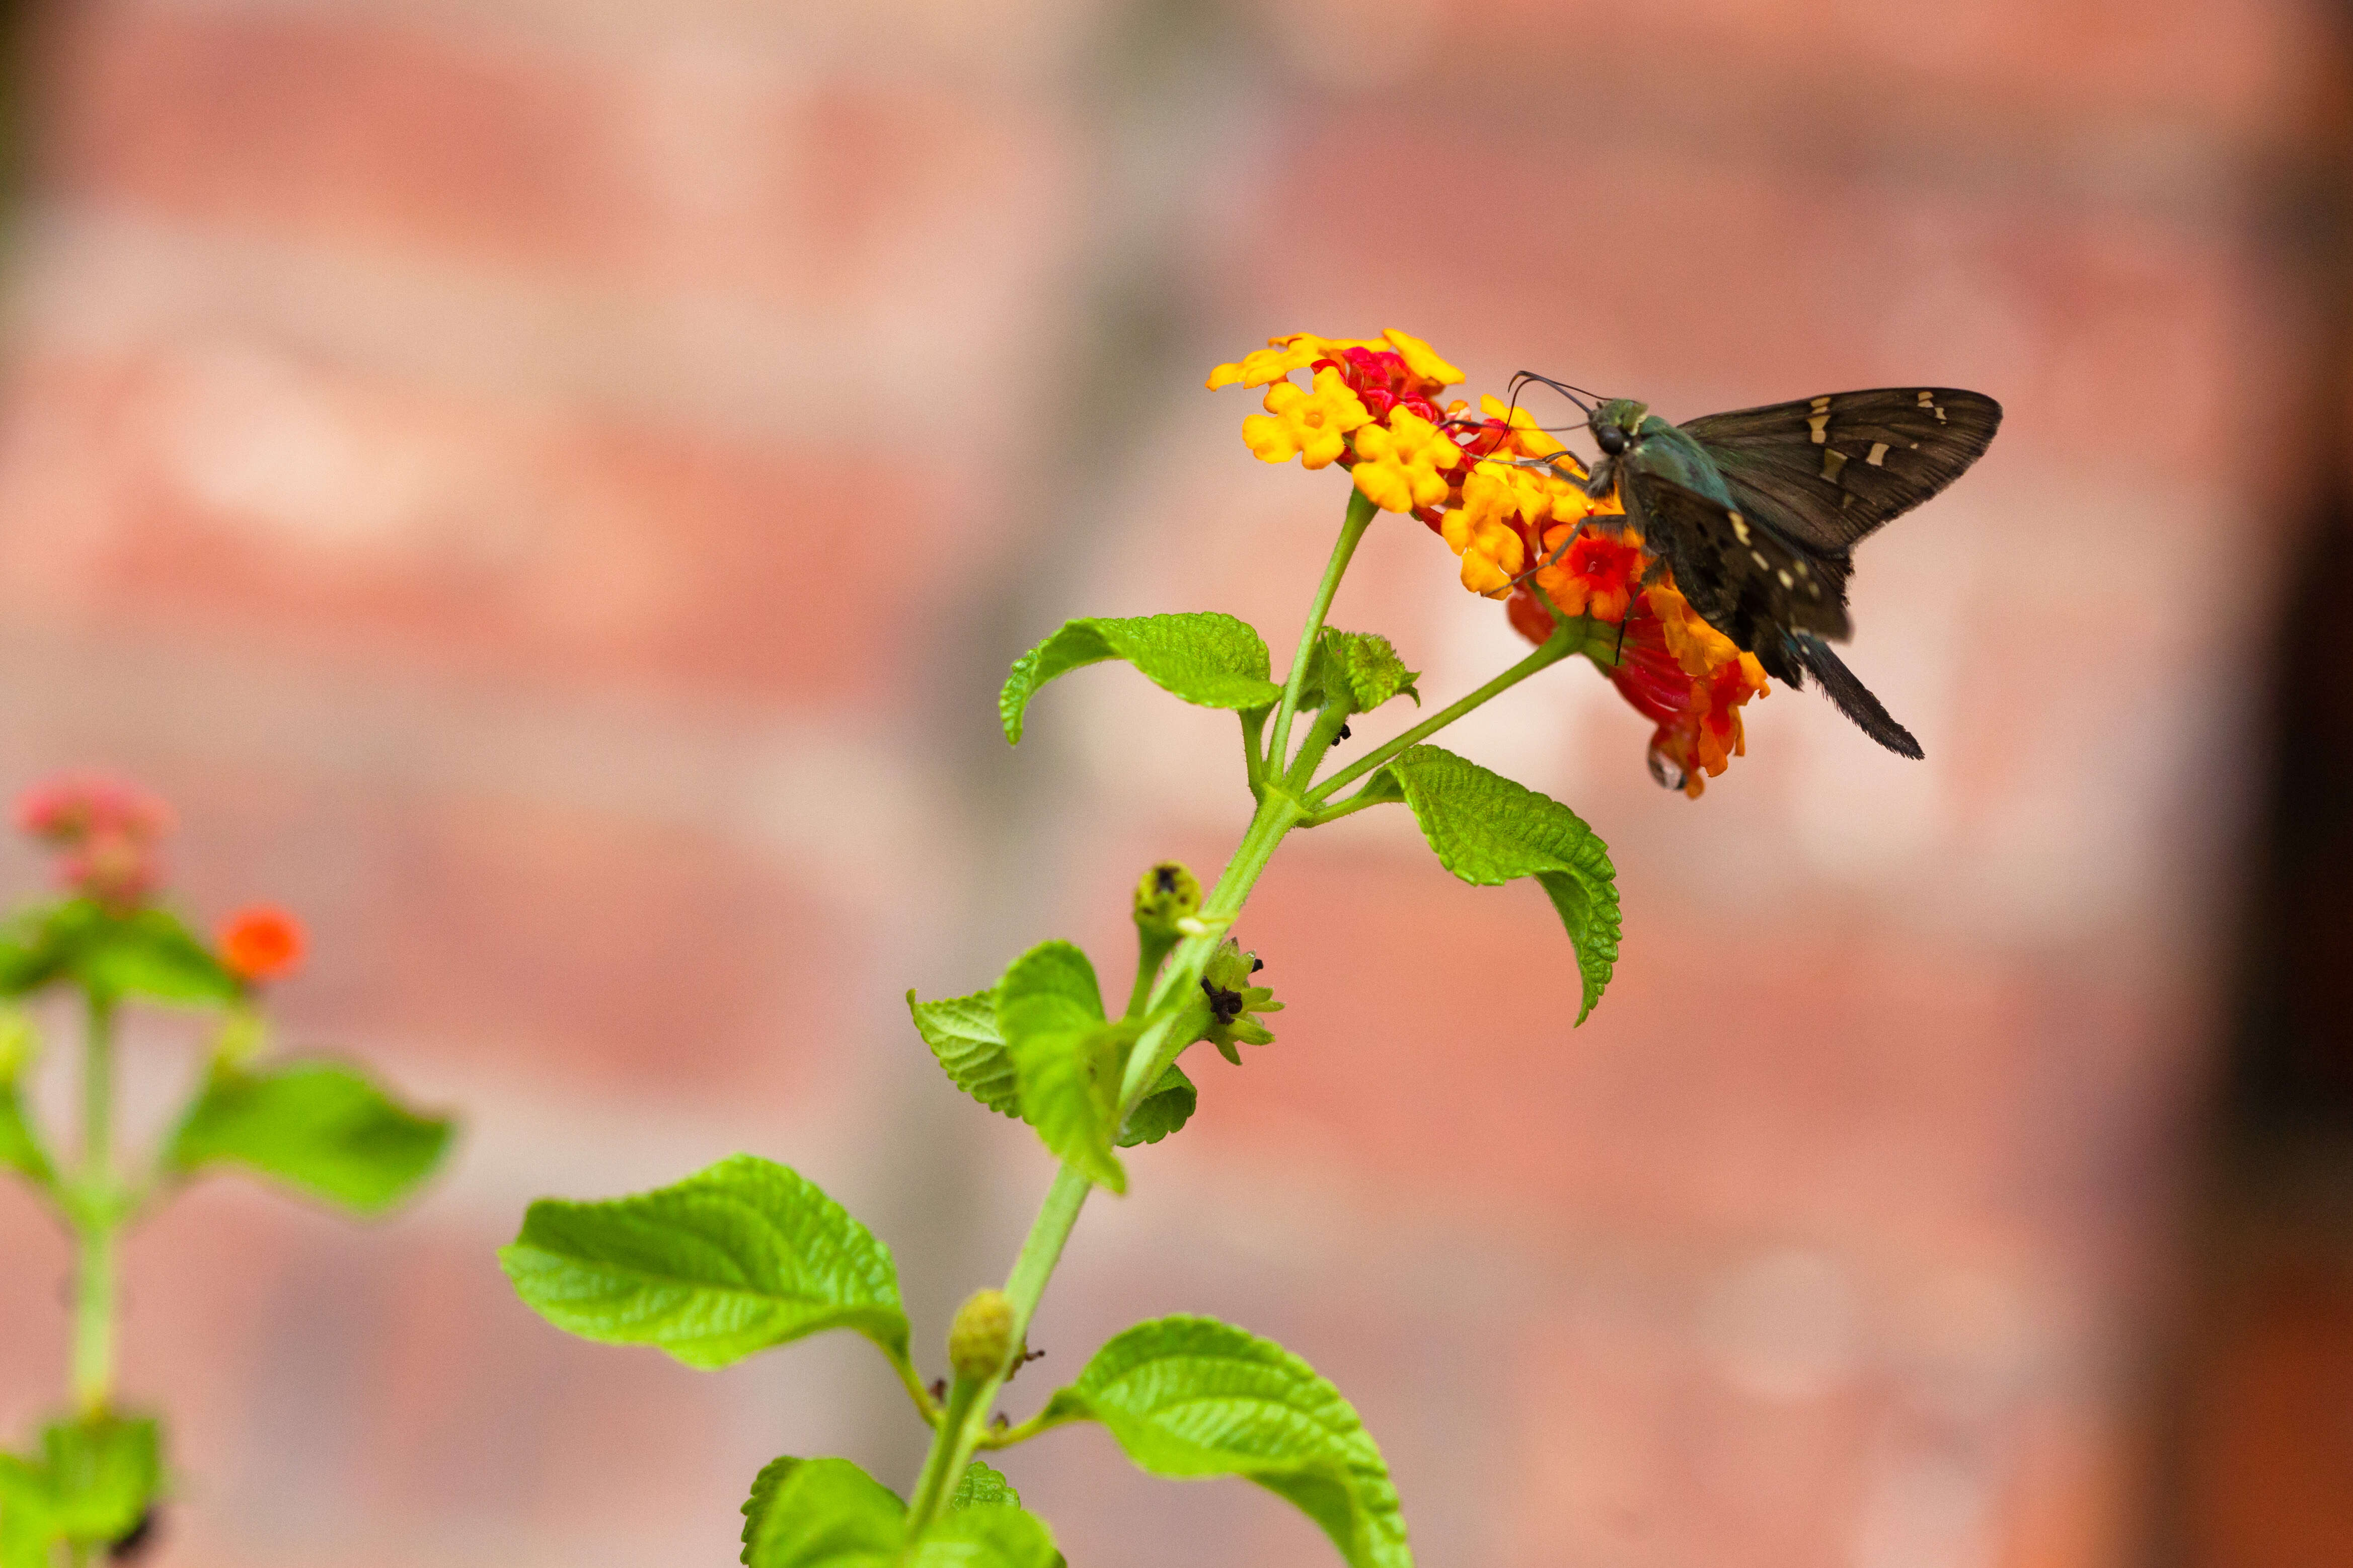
[551, 489]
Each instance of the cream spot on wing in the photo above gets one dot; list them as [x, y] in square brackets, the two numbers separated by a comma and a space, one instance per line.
[1821, 426]
[1833, 461]
[1787, 581]
[1759, 557]
[1822, 405]
[1927, 400]
[1878, 458]
[1739, 527]
[1801, 567]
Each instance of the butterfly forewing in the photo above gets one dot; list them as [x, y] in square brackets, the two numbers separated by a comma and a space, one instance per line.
[1826, 471]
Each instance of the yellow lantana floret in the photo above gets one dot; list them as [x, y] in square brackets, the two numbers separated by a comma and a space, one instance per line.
[1281, 357]
[1527, 439]
[1421, 358]
[1402, 465]
[1310, 425]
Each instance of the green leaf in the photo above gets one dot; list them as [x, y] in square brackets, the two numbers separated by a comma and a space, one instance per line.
[961, 1033]
[102, 1473]
[1067, 1058]
[984, 1487]
[28, 1526]
[1191, 1397]
[1488, 830]
[731, 1260]
[821, 1513]
[318, 1127]
[984, 1537]
[1208, 660]
[1168, 1106]
[20, 1141]
[30, 954]
[1359, 669]
[146, 953]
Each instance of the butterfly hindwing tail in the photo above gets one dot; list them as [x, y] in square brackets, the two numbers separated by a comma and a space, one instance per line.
[1851, 696]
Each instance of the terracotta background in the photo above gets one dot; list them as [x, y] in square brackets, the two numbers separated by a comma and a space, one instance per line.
[550, 488]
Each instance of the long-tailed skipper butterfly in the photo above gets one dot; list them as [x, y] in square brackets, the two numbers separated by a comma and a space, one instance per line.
[1758, 512]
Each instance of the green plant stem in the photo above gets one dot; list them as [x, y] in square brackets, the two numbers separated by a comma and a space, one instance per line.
[97, 1218]
[1361, 513]
[1150, 949]
[1318, 744]
[1566, 637]
[962, 1428]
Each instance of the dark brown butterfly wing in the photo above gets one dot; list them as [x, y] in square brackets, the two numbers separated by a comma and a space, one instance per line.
[1827, 471]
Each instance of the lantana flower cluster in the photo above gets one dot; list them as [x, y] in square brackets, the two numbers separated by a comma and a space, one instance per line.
[108, 834]
[1510, 502]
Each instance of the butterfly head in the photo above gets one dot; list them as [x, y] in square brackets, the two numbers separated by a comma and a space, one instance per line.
[1615, 422]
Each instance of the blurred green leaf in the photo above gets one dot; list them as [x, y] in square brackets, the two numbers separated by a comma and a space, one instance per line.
[318, 1127]
[103, 1472]
[735, 1259]
[1208, 660]
[20, 1141]
[1190, 1397]
[29, 1528]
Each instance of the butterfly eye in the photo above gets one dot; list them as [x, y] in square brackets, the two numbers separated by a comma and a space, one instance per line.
[1612, 439]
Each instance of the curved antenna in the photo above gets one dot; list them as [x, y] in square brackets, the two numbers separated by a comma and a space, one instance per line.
[1564, 388]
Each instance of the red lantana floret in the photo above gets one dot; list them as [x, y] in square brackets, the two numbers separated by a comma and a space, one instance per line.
[261, 942]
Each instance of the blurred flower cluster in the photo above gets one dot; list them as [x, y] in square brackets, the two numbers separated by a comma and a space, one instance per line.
[1510, 501]
[107, 833]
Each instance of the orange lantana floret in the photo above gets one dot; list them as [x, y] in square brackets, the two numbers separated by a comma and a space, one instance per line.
[262, 943]
[1598, 574]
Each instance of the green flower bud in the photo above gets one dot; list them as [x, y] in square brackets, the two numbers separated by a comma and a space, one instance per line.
[1167, 894]
[1233, 1001]
[981, 1339]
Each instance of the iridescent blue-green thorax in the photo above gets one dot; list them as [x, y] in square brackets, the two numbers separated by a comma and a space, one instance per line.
[1668, 451]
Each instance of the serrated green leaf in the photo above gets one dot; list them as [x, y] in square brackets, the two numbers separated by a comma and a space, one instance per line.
[320, 1128]
[984, 1487]
[103, 1474]
[1168, 1106]
[1488, 830]
[731, 1260]
[21, 1148]
[821, 1513]
[765, 1486]
[1006, 1537]
[1359, 669]
[961, 1033]
[1191, 1397]
[1066, 1057]
[1211, 660]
